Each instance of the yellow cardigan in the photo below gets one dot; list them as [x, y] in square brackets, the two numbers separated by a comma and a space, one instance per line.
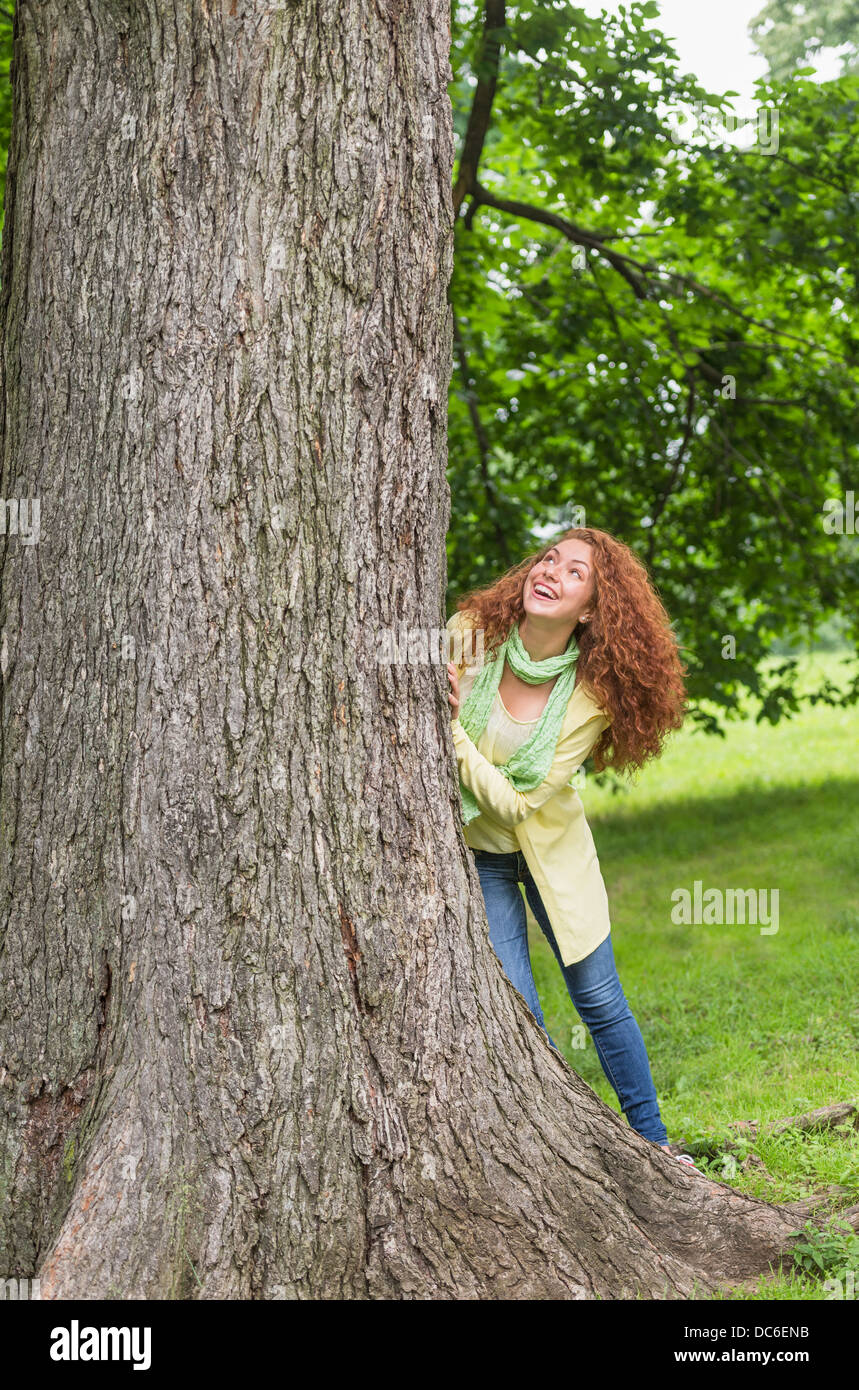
[549, 824]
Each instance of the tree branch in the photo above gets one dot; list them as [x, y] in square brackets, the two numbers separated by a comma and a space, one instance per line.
[494, 20]
[571, 231]
[626, 266]
[637, 274]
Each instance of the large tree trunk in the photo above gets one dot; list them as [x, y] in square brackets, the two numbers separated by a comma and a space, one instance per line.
[254, 1041]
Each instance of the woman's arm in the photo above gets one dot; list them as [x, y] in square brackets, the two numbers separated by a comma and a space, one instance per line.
[497, 796]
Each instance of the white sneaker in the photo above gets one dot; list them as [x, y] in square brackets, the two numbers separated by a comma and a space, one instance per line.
[682, 1158]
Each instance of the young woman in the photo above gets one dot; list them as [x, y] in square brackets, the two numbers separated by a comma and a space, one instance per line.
[578, 659]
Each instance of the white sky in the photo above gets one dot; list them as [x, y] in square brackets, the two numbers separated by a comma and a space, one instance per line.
[712, 41]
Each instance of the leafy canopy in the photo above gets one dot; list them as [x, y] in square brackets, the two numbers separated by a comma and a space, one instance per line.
[654, 323]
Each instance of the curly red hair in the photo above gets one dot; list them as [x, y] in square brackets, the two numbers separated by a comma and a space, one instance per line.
[628, 655]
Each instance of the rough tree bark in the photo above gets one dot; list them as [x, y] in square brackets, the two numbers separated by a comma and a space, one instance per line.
[254, 1041]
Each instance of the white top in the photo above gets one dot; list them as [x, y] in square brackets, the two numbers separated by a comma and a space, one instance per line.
[505, 733]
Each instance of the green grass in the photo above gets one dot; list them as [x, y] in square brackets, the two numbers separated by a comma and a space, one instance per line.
[740, 1025]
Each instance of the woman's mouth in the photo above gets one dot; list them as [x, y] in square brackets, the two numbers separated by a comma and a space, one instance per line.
[543, 591]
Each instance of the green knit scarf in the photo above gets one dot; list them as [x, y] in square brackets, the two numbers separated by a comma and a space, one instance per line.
[529, 765]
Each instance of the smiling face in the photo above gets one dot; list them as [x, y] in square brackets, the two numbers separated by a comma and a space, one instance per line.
[560, 587]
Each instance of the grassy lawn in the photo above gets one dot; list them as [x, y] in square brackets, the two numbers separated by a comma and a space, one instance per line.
[740, 1025]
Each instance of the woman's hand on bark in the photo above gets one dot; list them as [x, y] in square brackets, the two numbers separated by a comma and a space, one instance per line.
[453, 697]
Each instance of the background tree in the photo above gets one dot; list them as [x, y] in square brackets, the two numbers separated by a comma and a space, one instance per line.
[790, 35]
[657, 326]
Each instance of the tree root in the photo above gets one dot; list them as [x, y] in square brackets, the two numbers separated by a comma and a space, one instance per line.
[845, 1113]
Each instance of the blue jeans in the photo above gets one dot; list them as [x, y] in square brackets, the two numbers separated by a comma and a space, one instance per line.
[593, 985]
